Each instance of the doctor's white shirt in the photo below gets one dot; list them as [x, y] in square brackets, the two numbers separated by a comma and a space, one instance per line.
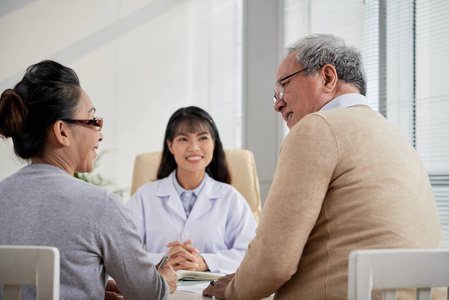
[220, 223]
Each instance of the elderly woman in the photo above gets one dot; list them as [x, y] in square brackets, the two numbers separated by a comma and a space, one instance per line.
[52, 123]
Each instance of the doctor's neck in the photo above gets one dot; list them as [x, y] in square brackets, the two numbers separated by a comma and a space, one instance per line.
[189, 180]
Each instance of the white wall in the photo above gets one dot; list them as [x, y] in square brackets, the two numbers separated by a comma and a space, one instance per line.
[115, 48]
[132, 57]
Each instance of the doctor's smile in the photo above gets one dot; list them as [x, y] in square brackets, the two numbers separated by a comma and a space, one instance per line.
[194, 159]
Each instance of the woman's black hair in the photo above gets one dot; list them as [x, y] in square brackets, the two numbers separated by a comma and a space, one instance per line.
[193, 119]
[48, 92]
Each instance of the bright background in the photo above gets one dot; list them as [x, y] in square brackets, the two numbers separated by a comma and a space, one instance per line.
[140, 60]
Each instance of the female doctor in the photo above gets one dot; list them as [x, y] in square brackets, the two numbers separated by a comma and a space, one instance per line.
[192, 212]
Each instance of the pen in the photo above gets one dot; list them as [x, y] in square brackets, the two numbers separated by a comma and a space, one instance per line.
[164, 261]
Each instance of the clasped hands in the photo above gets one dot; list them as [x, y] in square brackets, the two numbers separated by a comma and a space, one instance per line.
[184, 256]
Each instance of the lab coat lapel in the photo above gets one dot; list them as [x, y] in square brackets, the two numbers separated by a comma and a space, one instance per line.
[167, 192]
[205, 200]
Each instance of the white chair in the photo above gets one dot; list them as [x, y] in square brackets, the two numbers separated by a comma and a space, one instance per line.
[391, 269]
[241, 166]
[34, 265]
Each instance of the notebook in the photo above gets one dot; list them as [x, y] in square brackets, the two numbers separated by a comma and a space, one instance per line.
[197, 275]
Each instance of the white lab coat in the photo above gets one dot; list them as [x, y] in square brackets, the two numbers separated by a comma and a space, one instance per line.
[220, 224]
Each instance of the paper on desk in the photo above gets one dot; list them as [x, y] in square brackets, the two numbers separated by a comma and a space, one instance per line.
[195, 288]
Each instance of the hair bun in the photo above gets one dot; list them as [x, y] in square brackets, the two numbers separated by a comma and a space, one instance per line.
[13, 113]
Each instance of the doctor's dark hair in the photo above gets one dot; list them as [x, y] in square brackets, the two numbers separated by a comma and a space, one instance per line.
[193, 119]
[48, 92]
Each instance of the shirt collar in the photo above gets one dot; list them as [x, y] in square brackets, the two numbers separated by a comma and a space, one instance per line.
[346, 100]
[180, 189]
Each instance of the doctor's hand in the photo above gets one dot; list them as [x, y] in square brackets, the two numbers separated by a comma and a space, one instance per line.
[186, 246]
[183, 256]
[170, 277]
[202, 266]
[217, 288]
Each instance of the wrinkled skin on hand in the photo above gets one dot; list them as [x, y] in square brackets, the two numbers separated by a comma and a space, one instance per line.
[219, 287]
[170, 277]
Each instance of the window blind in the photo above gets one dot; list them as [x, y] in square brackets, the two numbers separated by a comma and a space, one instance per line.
[432, 99]
[217, 65]
[400, 70]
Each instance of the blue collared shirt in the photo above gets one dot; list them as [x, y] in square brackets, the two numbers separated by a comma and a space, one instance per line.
[346, 100]
[188, 197]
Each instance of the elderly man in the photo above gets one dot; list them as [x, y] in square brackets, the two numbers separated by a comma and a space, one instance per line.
[346, 179]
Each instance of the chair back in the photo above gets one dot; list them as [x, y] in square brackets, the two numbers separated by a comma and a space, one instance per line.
[31, 265]
[241, 166]
[391, 269]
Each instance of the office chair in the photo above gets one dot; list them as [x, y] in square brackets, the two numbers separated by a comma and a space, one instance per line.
[241, 166]
[391, 269]
[35, 265]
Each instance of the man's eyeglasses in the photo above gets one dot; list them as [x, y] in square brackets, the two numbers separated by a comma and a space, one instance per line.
[279, 87]
[96, 122]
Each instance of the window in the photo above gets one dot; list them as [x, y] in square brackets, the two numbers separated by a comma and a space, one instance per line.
[418, 102]
[217, 65]
[432, 99]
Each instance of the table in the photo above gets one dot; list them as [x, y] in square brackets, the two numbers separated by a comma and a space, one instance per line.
[180, 295]
[183, 295]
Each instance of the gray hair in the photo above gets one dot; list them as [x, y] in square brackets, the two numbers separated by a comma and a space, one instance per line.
[316, 50]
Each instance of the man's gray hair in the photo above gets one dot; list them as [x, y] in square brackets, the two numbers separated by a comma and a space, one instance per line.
[316, 50]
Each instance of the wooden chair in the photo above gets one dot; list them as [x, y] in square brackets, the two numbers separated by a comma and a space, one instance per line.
[241, 165]
[391, 269]
[20, 265]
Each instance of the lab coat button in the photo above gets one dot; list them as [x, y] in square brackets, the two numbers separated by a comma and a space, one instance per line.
[186, 233]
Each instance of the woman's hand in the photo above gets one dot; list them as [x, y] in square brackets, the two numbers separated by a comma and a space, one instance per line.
[218, 288]
[112, 292]
[183, 256]
[170, 277]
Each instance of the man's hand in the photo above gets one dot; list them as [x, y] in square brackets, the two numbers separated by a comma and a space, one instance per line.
[170, 277]
[219, 287]
[112, 292]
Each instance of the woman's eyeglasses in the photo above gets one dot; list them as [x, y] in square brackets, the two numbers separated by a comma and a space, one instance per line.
[96, 122]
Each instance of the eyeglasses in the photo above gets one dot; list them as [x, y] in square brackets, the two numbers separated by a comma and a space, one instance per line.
[279, 87]
[96, 122]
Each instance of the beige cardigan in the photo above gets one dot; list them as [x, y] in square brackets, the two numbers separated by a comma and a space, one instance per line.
[346, 179]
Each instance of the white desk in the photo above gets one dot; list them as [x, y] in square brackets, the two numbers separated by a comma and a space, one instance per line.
[180, 295]
[183, 295]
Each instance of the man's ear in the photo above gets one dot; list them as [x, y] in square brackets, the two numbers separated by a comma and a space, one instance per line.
[61, 133]
[330, 77]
